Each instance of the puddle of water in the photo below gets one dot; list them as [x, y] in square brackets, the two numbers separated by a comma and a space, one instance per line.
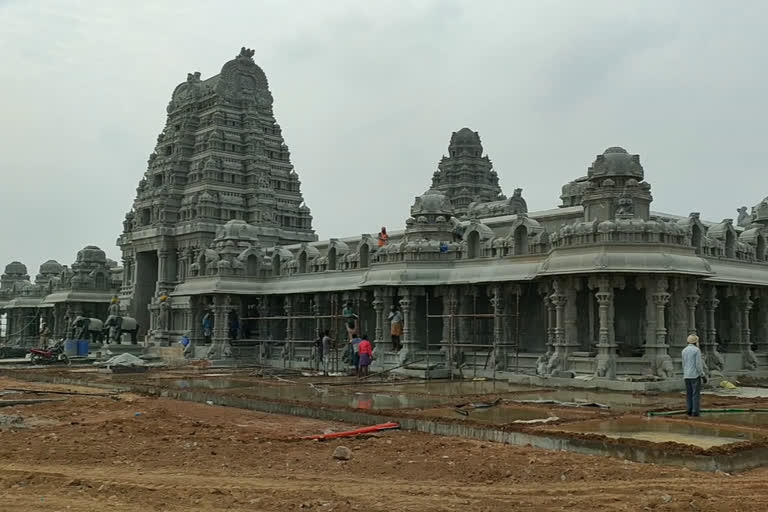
[737, 418]
[344, 397]
[208, 383]
[658, 430]
[455, 388]
[498, 415]
[620, 401]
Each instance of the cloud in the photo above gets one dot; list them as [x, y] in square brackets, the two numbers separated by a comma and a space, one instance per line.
[368, 94]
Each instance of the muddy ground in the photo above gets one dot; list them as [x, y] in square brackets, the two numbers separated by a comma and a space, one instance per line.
[128, 453]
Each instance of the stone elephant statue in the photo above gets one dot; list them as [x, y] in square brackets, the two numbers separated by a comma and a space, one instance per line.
[84, 328]
[115, 326]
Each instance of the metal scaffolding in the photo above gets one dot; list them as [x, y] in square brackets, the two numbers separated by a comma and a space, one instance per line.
[293, 334]
[476, 319]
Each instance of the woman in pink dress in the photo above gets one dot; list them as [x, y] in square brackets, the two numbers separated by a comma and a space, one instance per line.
[365, 351]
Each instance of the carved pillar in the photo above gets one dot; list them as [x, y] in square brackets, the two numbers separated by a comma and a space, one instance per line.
[499, 350]
[571, 312]
[358, 299]
[126, 274]
[220, 327]
[378, 308]
[605, 364]
[317, 311]
[679, 316]
[263, 327]
[551, 336]
[711, 355]
[450, 325]
[181, 265]
[745, 304]
[691, 301]
[408, 350]
[466, 306]
[657, 352]
[162, 267]
[559, 359]
[288, 349]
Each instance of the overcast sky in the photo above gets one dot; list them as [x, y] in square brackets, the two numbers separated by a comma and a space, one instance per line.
[368, 93]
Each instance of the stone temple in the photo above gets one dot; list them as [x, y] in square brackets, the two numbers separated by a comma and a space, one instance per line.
[219, 245]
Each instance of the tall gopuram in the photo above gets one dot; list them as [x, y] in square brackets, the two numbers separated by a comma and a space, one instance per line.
[220, 157]
[466, 176]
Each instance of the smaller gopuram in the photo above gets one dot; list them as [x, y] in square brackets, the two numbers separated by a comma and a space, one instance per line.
[466, 176]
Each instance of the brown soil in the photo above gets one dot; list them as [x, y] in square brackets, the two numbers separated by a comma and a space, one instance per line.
[95, 453]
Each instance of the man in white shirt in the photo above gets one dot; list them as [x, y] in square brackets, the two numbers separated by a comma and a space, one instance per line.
[693, 371]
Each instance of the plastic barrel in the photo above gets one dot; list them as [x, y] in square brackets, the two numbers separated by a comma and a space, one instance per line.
[70, 347]
[82, 348]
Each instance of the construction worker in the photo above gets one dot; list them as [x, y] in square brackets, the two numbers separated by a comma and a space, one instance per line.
[383, 237]
[350, 319]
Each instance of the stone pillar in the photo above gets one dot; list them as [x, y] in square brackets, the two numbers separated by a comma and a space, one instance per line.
[679, 316]
[453, 305]
[317, 311]
[605, 364]
[657, 352]
[408, 351]
[745, 303]
[571, 312]
[499, 350]
[357, 301]
[378, 334]
[466, 306]
[559, 359]
[288, 347]
[691, 301]
[188, 320]
[711, 355]
[220, 338]
[126, 274]
[263, 327]
[181, 265]
[542, 363]
[162, 268]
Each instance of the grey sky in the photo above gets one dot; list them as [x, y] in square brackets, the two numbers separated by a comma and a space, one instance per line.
[368, 95]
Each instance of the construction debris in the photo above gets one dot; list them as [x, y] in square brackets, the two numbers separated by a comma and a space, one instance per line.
[357, 432]
[123, 360]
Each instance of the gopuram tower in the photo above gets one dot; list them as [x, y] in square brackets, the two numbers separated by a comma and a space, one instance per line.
[220, 157]
[466, 176]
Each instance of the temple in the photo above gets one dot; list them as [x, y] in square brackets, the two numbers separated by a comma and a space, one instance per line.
[219, 246]
[60, 294]
[221, 157]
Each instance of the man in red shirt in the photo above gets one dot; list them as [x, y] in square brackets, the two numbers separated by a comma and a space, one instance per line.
[365, 351]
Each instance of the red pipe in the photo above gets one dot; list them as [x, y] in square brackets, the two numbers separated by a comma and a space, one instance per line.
[356, 432]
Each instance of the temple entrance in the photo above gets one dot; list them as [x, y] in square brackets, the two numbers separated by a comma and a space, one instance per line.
[629, 317]
[727, 323]
[146, 285]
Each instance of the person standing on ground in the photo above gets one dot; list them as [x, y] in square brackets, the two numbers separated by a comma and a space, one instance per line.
[693, 371]
[365, 350]
[354, 352]
[318, 354]
[325, 345]
[396, 327]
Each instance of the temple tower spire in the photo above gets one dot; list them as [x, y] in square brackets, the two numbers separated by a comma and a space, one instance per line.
[465, 175]
[220, 157]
